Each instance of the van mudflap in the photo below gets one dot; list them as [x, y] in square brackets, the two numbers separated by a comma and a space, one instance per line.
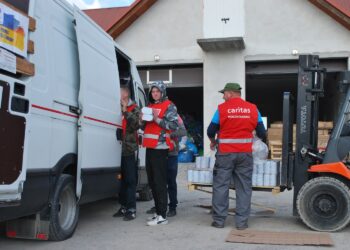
[33, 228]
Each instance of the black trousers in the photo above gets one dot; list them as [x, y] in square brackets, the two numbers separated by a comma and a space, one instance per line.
[156, 167]
[127, 195]
[171, 180]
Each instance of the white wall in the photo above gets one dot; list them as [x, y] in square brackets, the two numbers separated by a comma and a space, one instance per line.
[168, 29]
[220, 68]
[233, 13]
[293, 24]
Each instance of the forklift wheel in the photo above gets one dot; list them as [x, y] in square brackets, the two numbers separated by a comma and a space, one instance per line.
[323, 204]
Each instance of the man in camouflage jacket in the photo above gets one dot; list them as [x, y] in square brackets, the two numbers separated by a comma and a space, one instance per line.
[127, 196]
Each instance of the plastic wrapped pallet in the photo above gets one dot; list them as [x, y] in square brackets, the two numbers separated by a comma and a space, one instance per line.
[265, 173]
[200, 176]
[202, 173]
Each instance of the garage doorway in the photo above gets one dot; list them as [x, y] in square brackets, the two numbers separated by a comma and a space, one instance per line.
[267, 81]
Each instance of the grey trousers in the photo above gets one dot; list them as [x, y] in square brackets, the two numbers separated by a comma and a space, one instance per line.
[240, 166]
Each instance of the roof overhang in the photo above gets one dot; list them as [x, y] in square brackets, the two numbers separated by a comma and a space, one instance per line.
[337, 9]
[135, 12]
[215, 44]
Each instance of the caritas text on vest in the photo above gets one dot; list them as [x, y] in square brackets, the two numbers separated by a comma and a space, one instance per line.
[239, 111]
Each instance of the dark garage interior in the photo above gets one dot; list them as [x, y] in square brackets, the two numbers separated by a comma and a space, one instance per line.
[266, 89]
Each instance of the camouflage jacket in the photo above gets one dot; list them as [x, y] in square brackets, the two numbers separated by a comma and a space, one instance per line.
[130, 145]
[176, 135]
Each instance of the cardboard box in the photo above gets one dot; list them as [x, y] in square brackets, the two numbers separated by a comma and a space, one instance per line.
[250, 236]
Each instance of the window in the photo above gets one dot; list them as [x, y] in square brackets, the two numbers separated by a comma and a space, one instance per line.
[142, 98]
[125, 75]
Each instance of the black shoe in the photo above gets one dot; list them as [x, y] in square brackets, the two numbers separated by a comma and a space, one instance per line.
[243, 227]
[151, 211]
[129, 216]
[121, 212]
[217, 225]
[171, 213]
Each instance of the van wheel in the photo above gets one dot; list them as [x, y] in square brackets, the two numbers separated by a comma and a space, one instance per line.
[146, 194]
[64, 209]
[323, 204]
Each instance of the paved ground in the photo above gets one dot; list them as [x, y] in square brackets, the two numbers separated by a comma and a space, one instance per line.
[189, 230]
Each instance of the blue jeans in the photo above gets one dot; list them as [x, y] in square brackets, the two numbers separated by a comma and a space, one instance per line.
[171, 181]
[127, 195]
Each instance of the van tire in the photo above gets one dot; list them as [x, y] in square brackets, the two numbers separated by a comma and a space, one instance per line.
[64, 212]
[146, 194]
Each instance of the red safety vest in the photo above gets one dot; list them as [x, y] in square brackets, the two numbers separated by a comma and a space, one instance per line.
[153, 130]
[129, 109]
[238, 119]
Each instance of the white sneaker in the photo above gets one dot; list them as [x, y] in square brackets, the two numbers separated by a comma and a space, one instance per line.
[159, 220]
[152, 217]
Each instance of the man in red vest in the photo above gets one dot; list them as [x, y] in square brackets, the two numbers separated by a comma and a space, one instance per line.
[234, 123]
[130, 123]
[158, 143]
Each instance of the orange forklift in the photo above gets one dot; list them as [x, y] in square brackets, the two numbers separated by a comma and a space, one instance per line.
[320, 179]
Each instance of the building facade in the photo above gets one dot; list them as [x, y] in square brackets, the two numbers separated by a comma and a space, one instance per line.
[199, 45]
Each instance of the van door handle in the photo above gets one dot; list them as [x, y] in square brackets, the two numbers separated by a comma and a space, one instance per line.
[75, 110]
[119, 134]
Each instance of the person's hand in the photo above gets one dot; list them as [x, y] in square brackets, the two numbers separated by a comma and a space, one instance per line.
[212, 145]
[124, 104]
[155, 114]
[141, 121]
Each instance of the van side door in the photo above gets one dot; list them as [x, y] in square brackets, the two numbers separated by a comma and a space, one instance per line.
[99, 101]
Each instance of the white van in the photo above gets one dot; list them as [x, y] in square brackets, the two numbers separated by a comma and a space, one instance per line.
[59, 127]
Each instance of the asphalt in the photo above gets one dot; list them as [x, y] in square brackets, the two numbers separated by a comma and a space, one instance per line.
[190, 229]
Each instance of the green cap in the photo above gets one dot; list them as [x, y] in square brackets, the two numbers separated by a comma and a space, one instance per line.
[231, 86]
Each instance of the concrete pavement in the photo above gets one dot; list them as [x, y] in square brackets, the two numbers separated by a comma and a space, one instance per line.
[190, 229]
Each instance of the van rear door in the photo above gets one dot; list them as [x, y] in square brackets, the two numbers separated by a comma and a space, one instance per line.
[14, 131]
[99, 99]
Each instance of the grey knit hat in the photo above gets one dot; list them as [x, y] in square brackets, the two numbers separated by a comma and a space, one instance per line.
[162, 88]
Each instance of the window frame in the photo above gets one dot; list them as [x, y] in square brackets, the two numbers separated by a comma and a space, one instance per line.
[140, 90]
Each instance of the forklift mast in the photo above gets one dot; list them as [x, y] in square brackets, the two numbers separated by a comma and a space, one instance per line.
[310, 89]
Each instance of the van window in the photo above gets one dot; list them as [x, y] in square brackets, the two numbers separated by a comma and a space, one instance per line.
[142, 98]
[22, 5]
[125, 77]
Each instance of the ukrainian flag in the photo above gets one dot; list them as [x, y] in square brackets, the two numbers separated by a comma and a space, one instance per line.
[11, 32]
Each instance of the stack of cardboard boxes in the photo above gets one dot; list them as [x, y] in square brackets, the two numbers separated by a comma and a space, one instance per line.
[324, 132]
[275, 137]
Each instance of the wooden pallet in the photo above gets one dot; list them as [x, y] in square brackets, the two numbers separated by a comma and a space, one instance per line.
[325, 125]
[321, 125]
[276, 149]
[198, 186]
